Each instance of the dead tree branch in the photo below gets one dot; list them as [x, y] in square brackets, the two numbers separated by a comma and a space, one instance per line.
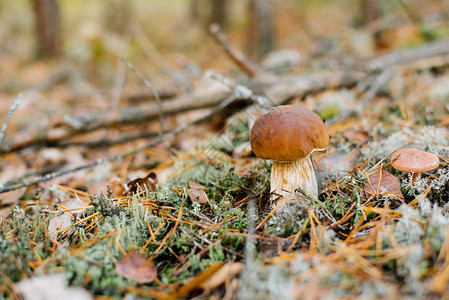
[440, 48]
[13, 107]
[236, 56]
[148, 84]
[279, 89]
[10, 187]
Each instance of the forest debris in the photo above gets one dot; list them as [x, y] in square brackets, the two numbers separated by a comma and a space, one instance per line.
[282, 60]
[147, 111]
[13, 107]
[140, 96]
[117, 187]
[149, 181]
[50, 156]
[199, 280]
[196, 193]
[15, 168]
[226, 272]
[9, 187]
[61, 222]
[284, 88]
[358, 137]
[237, 57]
[382, 183]
[441, 278]
[51, 287]
[99, 186]
[136, 266]
[402, 57]
[340, 162]
[105, 206]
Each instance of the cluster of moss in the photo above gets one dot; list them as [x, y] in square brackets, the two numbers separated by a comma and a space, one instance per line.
[88, 253]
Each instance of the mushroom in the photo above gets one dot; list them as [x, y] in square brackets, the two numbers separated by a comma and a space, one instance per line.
[414, 161]
[288, 135]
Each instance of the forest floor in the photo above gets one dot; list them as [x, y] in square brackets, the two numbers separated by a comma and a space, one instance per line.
[149, 188]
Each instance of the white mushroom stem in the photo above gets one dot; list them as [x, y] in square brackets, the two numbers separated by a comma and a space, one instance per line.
[286, 177]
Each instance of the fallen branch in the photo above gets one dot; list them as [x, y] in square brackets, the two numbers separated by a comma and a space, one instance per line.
[13, 107]
[279, 89]
[440, 48]
[148, 84]
[236, 56]
[10, 187]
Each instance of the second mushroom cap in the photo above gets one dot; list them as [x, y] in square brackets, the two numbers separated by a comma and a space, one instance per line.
[414, 160]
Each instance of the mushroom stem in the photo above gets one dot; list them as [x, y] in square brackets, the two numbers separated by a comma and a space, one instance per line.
[286, 177]
[415, 177]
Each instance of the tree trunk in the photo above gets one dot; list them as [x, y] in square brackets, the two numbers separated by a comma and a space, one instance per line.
[261, 34]
[46, 17]
[194, 10]
[218, 13]
[370, 10]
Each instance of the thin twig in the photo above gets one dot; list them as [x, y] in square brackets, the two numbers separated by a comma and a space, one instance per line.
[118, 85]
[241, 91]
[237, 57]
[164, 240]
[145, 43]
[403, 57]
[13, 107]
[150, 86]
[6, 188]
[410, 13]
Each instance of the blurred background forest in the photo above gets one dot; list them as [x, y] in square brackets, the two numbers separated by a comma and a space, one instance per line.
[91, 34]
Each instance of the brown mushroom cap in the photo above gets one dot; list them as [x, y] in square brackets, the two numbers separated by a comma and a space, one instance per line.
[414, 160]
[288, 133]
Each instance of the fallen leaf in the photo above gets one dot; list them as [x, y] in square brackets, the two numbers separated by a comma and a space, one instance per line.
[98, 187]
[117, 187]
[150, 181]
[14, 168]
[64, 218]
[358, 137]
[383, 183]
[196, 193]
[50, 287]
[137, 267]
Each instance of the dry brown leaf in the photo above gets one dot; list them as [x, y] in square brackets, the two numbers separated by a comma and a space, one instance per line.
[98, 187]
[196, 193]
[358, 137]
[72, 206]
[137, 267]
[228, 271]
[150, 181]
[117, 187]
[14, 168]
[383, 183]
